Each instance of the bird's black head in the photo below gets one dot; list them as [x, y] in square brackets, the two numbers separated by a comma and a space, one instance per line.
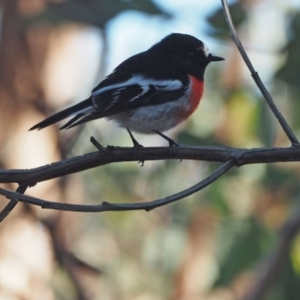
[187, 52]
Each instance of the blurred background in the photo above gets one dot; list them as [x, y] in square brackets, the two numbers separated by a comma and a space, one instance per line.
[212, 245]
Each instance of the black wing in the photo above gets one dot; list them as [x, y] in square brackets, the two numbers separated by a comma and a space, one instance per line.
[122, 92]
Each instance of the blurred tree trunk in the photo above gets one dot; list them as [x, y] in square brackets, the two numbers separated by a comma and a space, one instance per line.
[22, 55]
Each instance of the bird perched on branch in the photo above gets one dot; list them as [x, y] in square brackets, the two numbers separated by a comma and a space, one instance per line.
[150, 92]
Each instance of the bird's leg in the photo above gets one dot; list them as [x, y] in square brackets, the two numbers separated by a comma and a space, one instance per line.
[135, 145]
[172, 143]
[135, 142]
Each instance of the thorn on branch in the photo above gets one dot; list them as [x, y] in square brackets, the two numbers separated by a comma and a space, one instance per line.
[96, 144]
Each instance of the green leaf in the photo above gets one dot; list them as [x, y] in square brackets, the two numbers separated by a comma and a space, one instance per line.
[247, 242]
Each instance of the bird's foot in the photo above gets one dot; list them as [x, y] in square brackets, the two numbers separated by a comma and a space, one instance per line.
[135, 147]
[136, 144]
[171, 142]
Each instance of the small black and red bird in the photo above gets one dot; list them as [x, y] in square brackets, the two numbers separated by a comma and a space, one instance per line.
[150, 92]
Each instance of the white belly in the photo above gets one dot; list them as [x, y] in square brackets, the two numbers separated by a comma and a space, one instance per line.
[161, 117]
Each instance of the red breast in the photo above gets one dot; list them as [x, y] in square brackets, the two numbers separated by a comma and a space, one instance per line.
[196, 93]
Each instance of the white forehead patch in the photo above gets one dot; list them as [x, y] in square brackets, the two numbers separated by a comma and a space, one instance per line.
[205, 50]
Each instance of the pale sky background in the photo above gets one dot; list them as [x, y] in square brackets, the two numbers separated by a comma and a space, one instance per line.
[133, 32]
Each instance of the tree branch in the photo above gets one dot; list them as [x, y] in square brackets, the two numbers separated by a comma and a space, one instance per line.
[256, 77]
[12, 203]
[107, 206]
[117, 154]
[229, 156]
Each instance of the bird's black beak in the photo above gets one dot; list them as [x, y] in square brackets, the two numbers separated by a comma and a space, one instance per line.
[214, 58]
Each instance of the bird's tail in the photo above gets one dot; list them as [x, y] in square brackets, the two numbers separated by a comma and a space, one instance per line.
[78, 111]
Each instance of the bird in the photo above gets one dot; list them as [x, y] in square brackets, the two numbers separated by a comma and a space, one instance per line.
[150, 92]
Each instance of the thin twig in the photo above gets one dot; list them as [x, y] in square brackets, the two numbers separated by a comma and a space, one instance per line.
[12, 203]
[288, 131]
[106, 206]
